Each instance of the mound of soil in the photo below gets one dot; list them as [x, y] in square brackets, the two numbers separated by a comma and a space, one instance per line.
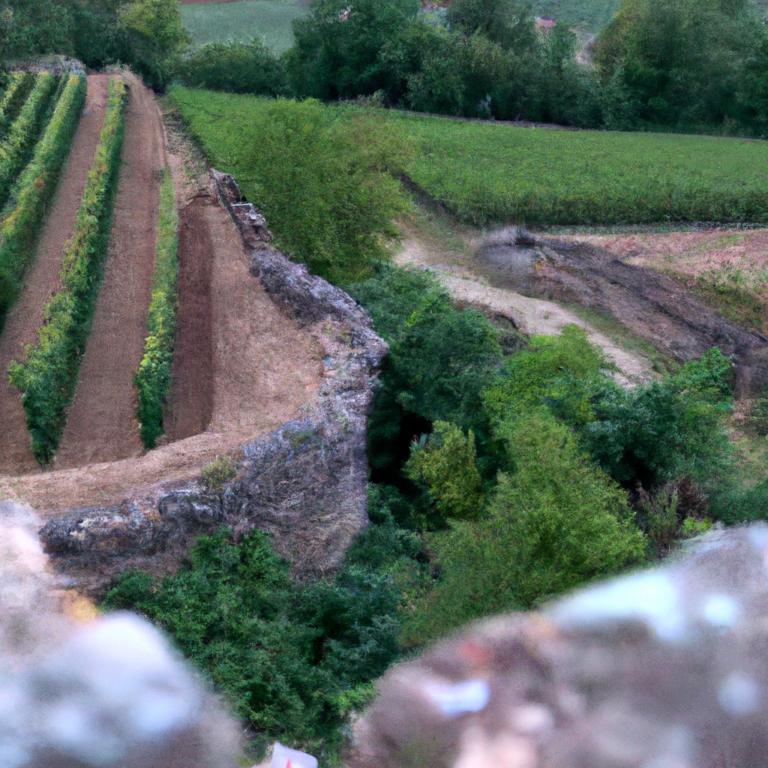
[657, 308]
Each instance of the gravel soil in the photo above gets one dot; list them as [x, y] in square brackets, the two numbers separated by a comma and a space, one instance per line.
[101, 425]
[42, 278]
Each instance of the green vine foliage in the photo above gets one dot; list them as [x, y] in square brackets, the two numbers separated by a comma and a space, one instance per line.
[19, 86]
[153, 379]
[49, 377]
[34, 190]
[16, 148]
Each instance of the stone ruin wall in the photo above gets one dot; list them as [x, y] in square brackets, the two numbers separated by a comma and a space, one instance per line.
[305, 483]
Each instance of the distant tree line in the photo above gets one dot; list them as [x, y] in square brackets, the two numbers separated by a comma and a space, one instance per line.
[688, 65]
[692, 65]
[144, 34]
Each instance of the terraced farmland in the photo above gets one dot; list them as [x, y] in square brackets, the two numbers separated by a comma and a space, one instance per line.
[113, 376]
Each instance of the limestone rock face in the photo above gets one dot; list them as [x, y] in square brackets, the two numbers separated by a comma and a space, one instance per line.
[667, 667]
[305, 482]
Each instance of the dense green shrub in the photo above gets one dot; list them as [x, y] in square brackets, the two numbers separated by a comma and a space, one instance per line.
[338, 46]
[326, 186]
[658, 432]
[153, 379]
[556, 371]
[23, 133]
[554, 523]
[291, 660]
[234, 67]
[445, 464]
[48, 379]
[29, 201]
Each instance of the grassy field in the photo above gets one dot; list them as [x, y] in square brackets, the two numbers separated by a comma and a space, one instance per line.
[486, 173]
[269, 20]
[589, 15]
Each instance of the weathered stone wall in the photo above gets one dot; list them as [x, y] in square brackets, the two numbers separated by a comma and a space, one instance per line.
[305, 483]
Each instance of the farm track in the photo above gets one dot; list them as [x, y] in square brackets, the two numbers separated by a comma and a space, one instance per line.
[192, 373]
[101, 425]
[42, 279]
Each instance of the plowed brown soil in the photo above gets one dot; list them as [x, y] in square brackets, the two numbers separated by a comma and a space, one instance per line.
[192, 374]
[264, 367]
[42, 279]
[101, 425]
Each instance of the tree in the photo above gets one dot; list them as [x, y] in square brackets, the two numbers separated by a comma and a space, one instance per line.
[554, 523]
[502, 21]
[338, 46]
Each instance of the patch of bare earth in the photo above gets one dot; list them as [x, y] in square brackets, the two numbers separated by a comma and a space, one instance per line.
[42, 279]
[265, 369]
[533, 316]
[691, 254]
[101, 423]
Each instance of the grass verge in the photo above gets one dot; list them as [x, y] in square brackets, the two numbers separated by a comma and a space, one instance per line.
[153, 379]
[485, 172]
[22, 136]
[49, 377]
[29, 201]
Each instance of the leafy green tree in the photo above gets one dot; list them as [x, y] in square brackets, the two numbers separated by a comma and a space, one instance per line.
[445, 464]
[157, 33]
[338, 46]
[554, 523]
[680, 63]
[234, 67]
[503, 21]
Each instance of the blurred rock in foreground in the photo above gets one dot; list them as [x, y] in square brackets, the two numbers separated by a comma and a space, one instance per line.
[663, 669]
[110, 692]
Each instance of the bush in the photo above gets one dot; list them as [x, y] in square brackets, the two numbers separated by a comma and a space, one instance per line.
[325, 186]
[659, 432]
[444, 463]
[35, 188]
[22, 135]
[291, 660]
[555, 523]
[556, 371]
[235, 68]
[220, 471]
[153, 379]
[49, 377]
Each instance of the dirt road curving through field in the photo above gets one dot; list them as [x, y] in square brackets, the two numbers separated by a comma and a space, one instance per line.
[42, 279]
[102, 424]
[532, 315]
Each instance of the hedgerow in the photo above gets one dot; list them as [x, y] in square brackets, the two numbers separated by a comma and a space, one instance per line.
[34, 190]
[23, 133]
[49, 377]
[153, 378]
[17, 91]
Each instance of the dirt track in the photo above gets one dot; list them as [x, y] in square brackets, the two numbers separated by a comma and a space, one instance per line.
[42, 278]
[101, 425]
[192, 374]
[533, 316]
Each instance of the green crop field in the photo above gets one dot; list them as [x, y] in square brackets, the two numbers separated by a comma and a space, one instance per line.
[484, 172]
[589, 15]
[269, 20]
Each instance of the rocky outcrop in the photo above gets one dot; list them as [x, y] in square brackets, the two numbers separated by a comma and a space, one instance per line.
[305, 483]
